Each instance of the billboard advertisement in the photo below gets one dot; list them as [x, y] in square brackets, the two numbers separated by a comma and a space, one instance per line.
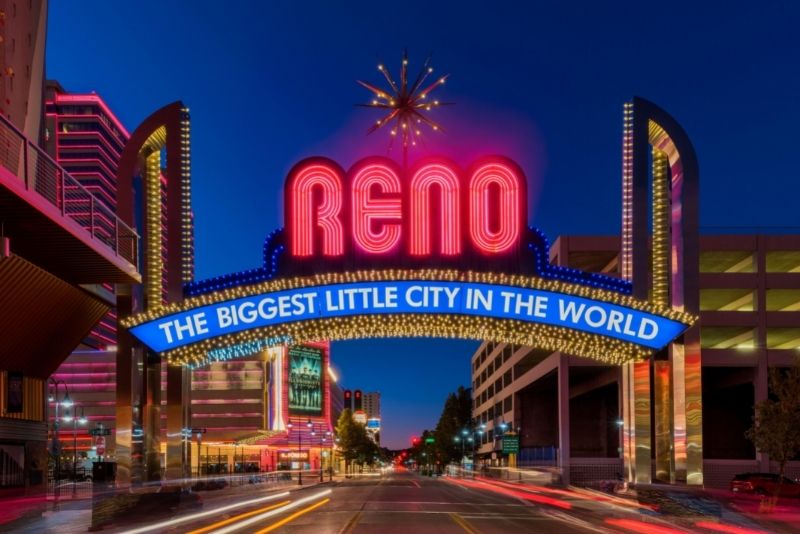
[305, 380]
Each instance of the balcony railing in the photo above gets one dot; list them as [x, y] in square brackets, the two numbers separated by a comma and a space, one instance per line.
[42, 175]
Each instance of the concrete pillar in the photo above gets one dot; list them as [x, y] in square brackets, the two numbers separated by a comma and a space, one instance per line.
[662, 420]
[563, 418]
[152, 417]
[178, 419]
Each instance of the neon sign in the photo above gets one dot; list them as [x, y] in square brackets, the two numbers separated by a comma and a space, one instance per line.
[431, 250]
[435, 210]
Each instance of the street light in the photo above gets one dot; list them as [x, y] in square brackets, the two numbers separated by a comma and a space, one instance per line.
[75, 420]
[67, 402]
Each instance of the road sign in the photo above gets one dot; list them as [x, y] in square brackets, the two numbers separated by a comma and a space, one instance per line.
[510, 444]
[429, 440]
[100, 432]
[199, 430]
[100, 444]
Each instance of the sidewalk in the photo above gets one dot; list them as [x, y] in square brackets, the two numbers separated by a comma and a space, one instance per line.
[37, 514]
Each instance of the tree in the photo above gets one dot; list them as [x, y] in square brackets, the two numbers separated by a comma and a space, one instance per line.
[455, 417]
[776, 425]
[354, 442]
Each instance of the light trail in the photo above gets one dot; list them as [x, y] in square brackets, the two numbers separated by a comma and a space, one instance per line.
[255, 519]
[238, 518]
[199, 515]
[293, 516]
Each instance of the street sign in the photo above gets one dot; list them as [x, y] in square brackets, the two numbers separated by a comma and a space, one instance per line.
[510, 444]
[100, 444]
[100, 432]
[429, 440]
[199, 430]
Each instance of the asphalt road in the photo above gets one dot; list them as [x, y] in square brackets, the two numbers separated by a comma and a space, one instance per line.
[403, 503]
[393, 503]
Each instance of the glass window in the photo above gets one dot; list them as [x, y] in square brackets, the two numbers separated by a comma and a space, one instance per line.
[507, 404]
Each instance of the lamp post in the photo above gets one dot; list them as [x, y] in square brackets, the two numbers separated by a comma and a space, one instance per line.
[66, 402]
[75, 420]
[329, 439]
[289, 425]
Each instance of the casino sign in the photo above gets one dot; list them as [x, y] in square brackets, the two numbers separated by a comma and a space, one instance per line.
[434, 250]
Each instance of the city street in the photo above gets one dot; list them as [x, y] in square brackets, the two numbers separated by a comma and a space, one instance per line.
[403, 501]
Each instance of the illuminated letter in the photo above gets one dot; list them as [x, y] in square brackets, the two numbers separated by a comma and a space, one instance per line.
[371, 230]
[494, 226]
[304, 217]
[422, 214]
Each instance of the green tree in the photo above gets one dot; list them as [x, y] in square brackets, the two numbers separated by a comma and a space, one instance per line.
[776, 425]
[354, 443]
[455, 417]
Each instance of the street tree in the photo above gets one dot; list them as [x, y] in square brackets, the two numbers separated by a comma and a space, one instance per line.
[455, 417]
[776, 425]
[352, 439]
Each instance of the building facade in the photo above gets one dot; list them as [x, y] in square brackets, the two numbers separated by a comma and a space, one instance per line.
[569, 410]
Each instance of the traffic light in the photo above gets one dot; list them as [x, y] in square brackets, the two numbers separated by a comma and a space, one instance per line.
[348, 399]
[414, 441]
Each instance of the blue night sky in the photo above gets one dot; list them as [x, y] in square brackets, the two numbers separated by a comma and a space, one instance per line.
[271, 82]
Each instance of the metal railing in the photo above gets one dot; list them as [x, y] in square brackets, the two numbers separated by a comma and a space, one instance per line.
[42, 175]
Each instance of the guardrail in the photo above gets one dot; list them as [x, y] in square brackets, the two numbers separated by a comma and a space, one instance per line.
[44, 176]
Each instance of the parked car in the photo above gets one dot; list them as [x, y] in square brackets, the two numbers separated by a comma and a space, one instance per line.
[765, 484]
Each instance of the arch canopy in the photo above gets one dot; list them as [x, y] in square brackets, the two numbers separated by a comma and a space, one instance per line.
[525, 310]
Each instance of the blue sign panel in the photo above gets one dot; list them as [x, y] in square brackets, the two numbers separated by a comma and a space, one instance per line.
[409, 297]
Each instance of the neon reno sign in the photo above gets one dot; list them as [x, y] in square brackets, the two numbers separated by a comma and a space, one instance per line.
[381, 252]
[435, 211]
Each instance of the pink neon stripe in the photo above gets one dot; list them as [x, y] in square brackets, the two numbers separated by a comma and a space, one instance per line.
[99, 101]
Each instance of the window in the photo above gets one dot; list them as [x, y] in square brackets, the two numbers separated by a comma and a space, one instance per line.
[490, 369]
[783, 338]
[727, 337]
[508, 351]
[498, 384]
[498, 361]
[507, 404]
[507, 378]
[727, 261]
[490, 391]
[727, 300]
[783, 300]
[783, 261]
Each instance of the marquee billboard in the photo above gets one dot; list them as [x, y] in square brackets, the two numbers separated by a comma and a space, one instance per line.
[432, 250]
[305, 380]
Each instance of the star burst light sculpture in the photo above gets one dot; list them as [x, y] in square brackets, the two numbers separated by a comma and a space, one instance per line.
[405, 105]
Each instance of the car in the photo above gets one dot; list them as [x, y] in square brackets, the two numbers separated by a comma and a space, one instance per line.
[765, 484]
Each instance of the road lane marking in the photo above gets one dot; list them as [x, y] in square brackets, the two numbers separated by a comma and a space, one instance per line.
[348, 528]
[260, 517]
[463, 524]
[199, 515]
[416, 483]
[238, 518]
[293, 516]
